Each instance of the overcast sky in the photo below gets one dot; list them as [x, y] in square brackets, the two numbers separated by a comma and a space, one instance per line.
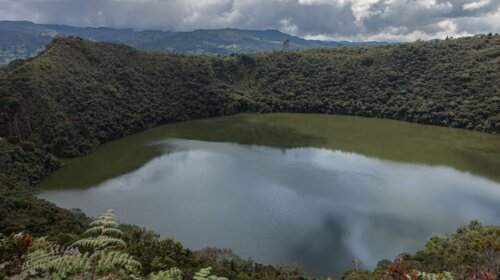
[396, 20]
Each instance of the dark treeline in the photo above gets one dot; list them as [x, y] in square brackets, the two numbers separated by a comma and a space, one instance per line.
[78, 94]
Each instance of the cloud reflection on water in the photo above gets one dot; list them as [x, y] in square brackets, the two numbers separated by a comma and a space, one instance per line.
[315, 206]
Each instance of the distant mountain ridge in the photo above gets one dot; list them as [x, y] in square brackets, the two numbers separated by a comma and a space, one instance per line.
[23, 39]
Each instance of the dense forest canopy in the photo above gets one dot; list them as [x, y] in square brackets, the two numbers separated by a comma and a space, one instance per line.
[78, 94]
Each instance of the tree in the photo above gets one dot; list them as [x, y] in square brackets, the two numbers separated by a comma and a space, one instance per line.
[286, 45]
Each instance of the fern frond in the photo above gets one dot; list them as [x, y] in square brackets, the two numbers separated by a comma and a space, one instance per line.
[112, 232]
[105, 223]
[39, 261]
[64, 263]
[102, 230]
[42, 243]
[431, 276]
[108, 217]
[100, 242]
[171, 274]
[49, 261]
[109, 261]
[205, 274]
[97, 230]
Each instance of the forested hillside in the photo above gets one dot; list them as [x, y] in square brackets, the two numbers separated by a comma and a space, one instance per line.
[79, 94]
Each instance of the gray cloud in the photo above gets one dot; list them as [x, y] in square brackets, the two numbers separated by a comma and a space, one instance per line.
[321, 19]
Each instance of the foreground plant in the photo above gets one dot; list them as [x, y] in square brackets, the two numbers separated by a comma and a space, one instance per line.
[396, 271]
[472, 253]
[99, 255]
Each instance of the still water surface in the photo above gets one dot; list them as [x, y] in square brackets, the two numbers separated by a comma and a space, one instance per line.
[280, 188]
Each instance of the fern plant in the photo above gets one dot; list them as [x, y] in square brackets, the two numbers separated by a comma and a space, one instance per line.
[101, 254]
[55, 262]
[431, 276]
[103, 234]
[171, 274]
[96, 256]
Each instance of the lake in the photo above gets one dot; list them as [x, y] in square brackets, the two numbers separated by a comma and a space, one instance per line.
[280, 188]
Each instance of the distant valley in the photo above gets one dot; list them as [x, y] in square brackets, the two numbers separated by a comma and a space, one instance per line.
[24, 39]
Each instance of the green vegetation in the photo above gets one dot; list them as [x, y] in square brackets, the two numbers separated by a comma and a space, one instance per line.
[473, 252]
[22, 166]
[78, 94]
[100, 255]
[103, 253]
[90, 257]
[472, 248]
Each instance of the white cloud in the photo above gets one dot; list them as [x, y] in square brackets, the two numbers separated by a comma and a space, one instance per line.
[322, 2]
[434, 4]
[448, 25]
[288, 26]
[398, 20]
[363, 9]
[475, 5]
